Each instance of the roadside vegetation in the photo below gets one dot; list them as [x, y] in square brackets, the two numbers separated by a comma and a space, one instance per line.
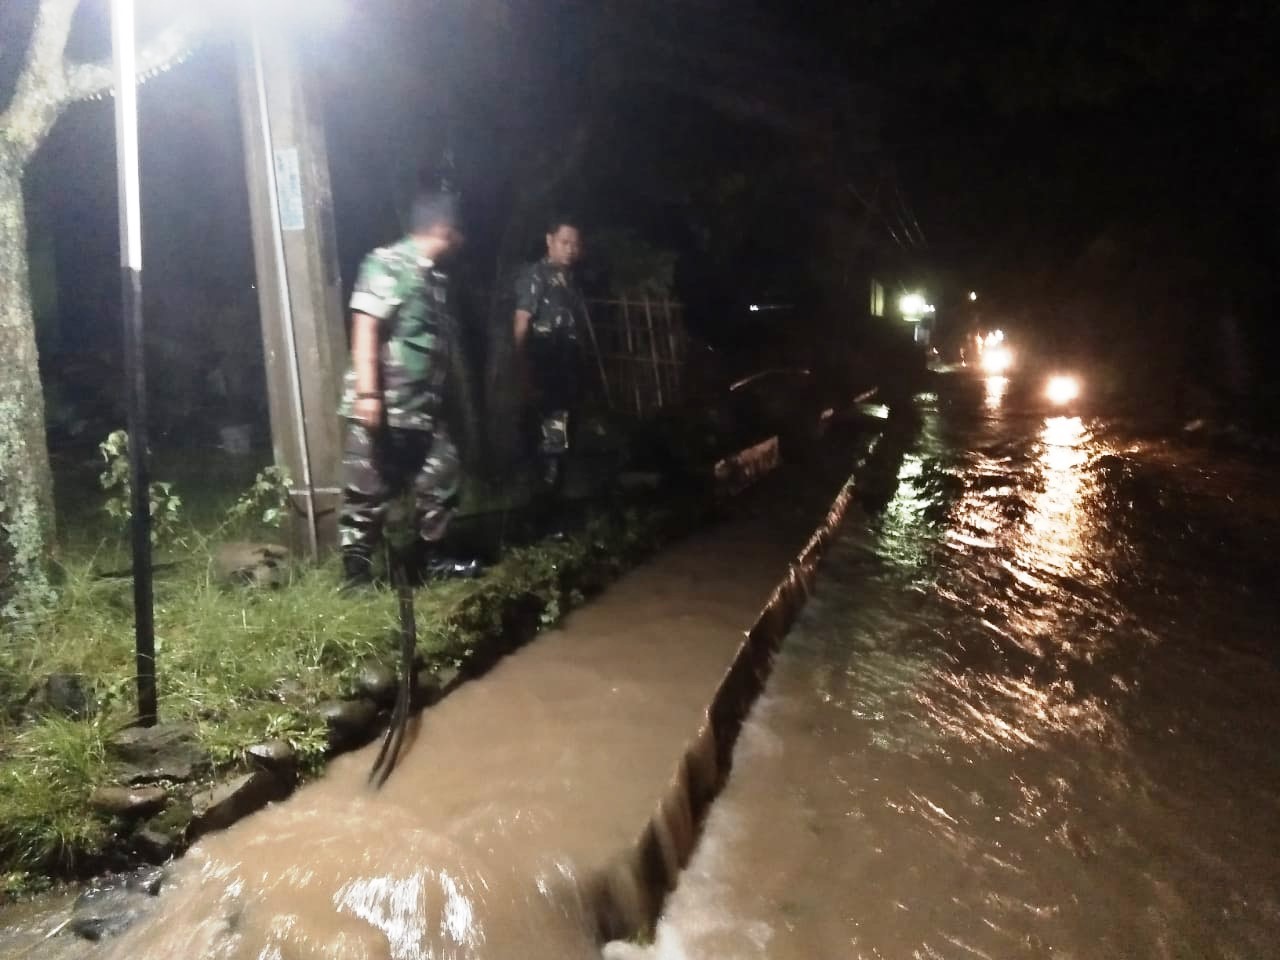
[239, 664]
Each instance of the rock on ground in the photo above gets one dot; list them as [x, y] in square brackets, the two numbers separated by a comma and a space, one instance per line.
[377, 681]
[63, 694]
[225, 803]
[130, 802]
[167, 751]
[251, 564]
[350, 722]
[113, 904]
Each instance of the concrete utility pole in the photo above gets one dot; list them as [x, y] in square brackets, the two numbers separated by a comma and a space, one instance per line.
[299, 289]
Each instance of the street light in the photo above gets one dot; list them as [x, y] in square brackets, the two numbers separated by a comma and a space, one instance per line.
[125, 65]
[914, 307]
[125, 61]
[1062, 389]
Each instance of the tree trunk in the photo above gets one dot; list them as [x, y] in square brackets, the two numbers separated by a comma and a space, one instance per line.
[47, 84]
[26, 482]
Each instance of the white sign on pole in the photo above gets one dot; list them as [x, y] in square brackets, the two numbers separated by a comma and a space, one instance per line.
[289, 181]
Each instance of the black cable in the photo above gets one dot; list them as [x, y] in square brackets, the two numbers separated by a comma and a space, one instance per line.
[392, 743]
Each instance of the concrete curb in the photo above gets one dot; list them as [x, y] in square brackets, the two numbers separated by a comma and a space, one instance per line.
[627, 897]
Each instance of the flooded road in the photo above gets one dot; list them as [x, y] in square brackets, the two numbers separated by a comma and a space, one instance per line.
[1033, 710]
[508, 825]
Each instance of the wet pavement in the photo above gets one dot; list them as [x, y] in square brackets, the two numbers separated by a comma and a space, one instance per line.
[1031, 711]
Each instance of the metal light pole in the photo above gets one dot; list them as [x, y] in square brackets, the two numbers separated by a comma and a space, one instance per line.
[123, 41]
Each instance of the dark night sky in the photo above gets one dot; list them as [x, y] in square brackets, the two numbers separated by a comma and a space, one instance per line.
[1025, 138]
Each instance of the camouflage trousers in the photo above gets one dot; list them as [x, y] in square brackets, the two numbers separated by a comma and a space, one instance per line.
[554, 366]
[553, 445]
[380, 465]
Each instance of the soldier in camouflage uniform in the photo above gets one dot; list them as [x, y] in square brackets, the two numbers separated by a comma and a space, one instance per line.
[549, 317]
[404, 340]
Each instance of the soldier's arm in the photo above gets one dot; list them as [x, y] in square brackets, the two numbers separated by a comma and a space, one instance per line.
[521, 329]
[373, 302]
[364, 353]
[528, 292]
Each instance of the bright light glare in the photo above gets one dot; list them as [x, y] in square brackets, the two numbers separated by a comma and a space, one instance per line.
[973, 294]
[754, 308]
[912, 305]
[997, 360]
[322, 15]
[1062, 389]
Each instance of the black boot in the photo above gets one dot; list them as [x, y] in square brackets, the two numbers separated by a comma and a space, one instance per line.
[430, 564]
[548, 502]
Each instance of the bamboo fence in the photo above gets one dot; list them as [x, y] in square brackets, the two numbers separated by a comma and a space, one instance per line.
[637, 348]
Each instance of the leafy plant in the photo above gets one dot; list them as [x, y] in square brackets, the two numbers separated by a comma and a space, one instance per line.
[267, 498]
[166, 506]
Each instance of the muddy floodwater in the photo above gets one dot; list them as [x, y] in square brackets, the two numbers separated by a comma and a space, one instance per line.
[501, 831]
[1032, 711]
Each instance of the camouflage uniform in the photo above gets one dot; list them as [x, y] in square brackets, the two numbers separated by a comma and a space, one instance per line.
[409, 297]
[557, 312]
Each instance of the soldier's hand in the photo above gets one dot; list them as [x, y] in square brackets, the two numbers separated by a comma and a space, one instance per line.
[368, 410]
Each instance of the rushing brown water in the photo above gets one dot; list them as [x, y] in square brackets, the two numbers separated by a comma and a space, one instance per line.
[512, 794]
[513, 797]
[1032, 711]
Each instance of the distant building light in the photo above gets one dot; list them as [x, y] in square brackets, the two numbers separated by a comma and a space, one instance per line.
[912, 306]
[754, 308]
[877, 298]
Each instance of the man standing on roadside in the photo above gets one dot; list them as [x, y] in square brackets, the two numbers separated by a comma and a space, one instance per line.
[404, 341]
[550, 313]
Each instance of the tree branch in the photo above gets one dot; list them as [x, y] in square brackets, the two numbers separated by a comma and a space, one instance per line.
[84, 81]
[49, 83]
[37, 96]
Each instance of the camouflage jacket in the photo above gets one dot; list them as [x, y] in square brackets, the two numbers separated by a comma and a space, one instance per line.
[409, 297]
[548, 294]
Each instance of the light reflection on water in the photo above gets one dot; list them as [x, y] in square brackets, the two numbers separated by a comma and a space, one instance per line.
[996, 388]
[1006, 726]
[1056, 536]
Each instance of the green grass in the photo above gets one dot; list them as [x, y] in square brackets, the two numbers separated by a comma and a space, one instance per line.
[49, 771]
[243, 665]
[223, 656]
